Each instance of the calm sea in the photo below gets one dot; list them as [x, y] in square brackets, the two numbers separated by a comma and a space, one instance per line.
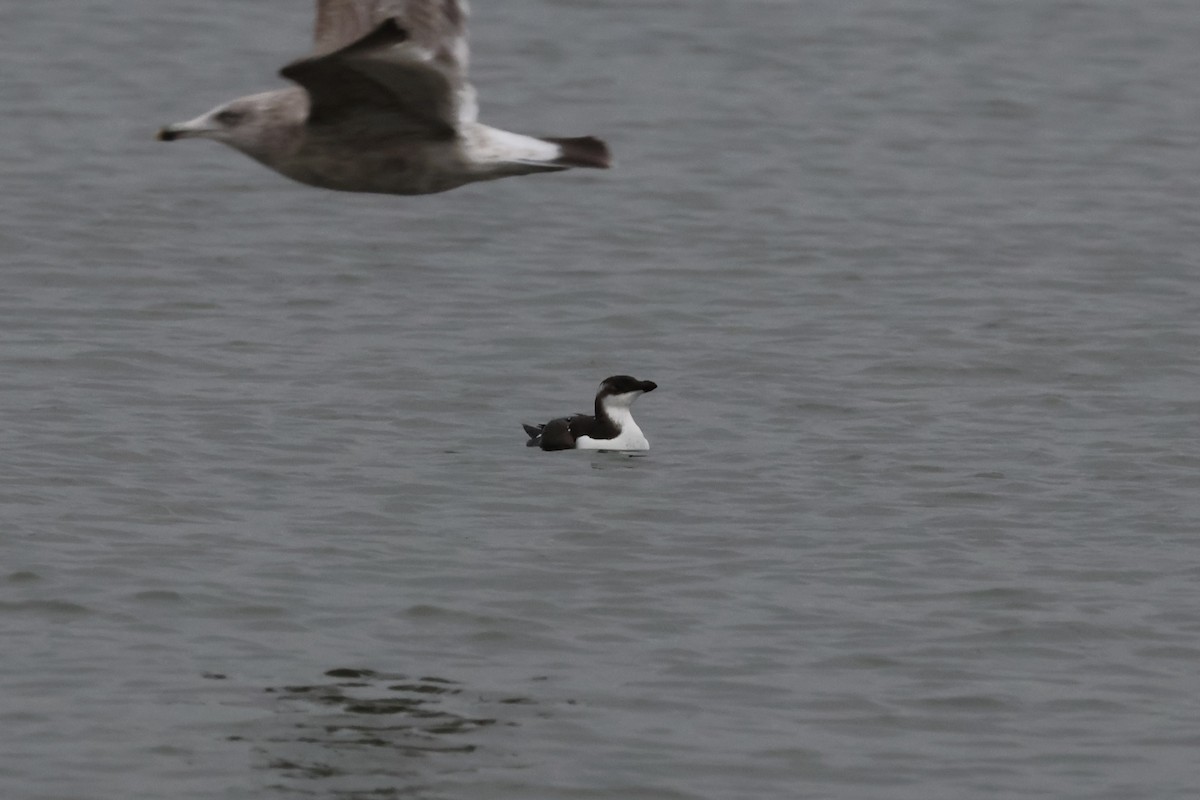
[917, 280]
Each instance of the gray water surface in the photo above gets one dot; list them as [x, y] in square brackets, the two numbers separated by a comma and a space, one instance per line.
[917, 280]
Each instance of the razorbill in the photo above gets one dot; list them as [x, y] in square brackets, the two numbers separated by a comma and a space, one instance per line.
[610, 428]
[383, 105]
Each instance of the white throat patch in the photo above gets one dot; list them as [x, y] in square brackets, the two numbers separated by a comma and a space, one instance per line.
[630, 437]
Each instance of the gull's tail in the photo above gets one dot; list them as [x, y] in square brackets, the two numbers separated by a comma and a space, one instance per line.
[581, 151]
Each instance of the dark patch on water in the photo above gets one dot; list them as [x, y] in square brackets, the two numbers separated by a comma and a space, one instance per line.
[350, 673]
[370, 734]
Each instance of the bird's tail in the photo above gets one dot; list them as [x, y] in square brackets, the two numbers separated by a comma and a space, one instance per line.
[535, 434]
[581, 151]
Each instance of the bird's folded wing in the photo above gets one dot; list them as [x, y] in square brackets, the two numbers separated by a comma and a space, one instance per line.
[384, 72]
[581, 425]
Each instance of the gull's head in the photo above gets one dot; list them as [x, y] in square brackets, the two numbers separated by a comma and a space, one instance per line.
[230, 123]
[264, 126]
[619, 391]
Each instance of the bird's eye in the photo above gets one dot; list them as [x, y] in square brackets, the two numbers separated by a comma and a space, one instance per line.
[230, 117]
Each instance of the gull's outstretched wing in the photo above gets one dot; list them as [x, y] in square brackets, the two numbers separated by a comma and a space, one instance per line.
[406, 59]
[437, 28]
[411, 64]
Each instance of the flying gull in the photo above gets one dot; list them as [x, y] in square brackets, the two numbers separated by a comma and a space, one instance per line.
[383, 105]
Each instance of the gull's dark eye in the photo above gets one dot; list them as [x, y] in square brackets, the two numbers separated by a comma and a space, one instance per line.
[230, 117]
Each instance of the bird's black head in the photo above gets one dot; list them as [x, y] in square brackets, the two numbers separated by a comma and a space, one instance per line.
[624, 384]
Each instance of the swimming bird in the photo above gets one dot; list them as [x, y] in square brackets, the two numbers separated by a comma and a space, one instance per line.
[383, 105]
[611, 428]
